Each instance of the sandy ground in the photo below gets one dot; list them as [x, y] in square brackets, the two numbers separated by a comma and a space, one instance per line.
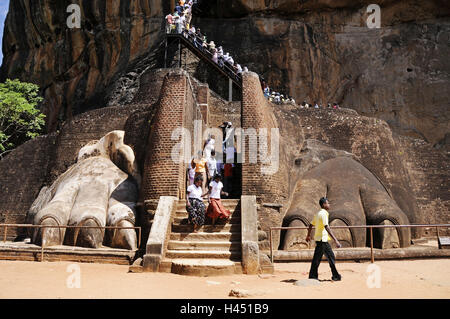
[398, 279]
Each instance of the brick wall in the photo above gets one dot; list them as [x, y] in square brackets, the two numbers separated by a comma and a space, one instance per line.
[273, 189]
[177, 108]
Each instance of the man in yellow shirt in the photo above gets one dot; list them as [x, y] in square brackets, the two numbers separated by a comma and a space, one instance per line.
[321, 236]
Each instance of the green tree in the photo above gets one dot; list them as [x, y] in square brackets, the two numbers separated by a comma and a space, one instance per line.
[20, 119]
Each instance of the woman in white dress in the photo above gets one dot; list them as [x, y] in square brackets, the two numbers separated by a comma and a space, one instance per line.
[194, 203]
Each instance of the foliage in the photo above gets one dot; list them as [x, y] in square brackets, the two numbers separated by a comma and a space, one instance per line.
[20, 119]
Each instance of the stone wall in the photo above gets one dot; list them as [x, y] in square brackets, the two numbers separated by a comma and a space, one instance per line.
[40, 161]
[429, 170]
[24, 172]
[372, 143]
[223, 111]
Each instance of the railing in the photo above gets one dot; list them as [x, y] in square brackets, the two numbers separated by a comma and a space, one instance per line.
[197, 42]
[371, 227]
[5, 226]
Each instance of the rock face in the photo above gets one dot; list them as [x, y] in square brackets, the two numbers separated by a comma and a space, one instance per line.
[80, 69]
[318, 50]
[323, 51]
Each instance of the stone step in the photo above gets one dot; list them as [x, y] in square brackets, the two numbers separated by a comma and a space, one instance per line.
[200, 236]
[184, 213]
[177, 228]
[184, 220]
[203, 267]
[204, 245]
[234, 255]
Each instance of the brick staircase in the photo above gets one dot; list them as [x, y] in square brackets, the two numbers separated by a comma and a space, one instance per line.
[213, 250]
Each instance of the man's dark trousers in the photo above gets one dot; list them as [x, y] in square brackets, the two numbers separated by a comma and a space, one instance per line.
[323, 248]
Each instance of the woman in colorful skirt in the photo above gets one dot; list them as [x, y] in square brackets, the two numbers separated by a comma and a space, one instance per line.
[194, 203]
[215, 208]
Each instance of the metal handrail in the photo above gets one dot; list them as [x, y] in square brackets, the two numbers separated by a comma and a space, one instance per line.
[235, 77]
[358, 226]
[5, 226]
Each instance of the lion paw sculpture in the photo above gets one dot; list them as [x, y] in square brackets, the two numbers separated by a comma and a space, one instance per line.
[100, 189]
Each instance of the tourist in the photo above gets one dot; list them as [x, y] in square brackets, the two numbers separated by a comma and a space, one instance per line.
[220, 56]
[191, 172]
[277, 98]
[191, 32]
[201, 169]
[215, 207]
[198, 40]
[188, 15]
[204, 43]
[194, 203]
[212, 46]
[179, 9]
[245, 69]
[208, 146]
[181, 23]
[238, 69]
[176, 18]
[225, 57]
[321, 237]
[221, 60]
[169, 23]
[228, 135]
[316, 106]
[229, 60]
[215, 56]
[228, 173]
[212, 166]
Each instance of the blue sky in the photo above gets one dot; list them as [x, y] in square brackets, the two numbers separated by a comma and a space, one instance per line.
[4, 5]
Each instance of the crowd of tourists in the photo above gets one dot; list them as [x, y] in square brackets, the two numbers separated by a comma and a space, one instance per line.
[180, 22]
[315, 105]
[205, 176]
[274, 96]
